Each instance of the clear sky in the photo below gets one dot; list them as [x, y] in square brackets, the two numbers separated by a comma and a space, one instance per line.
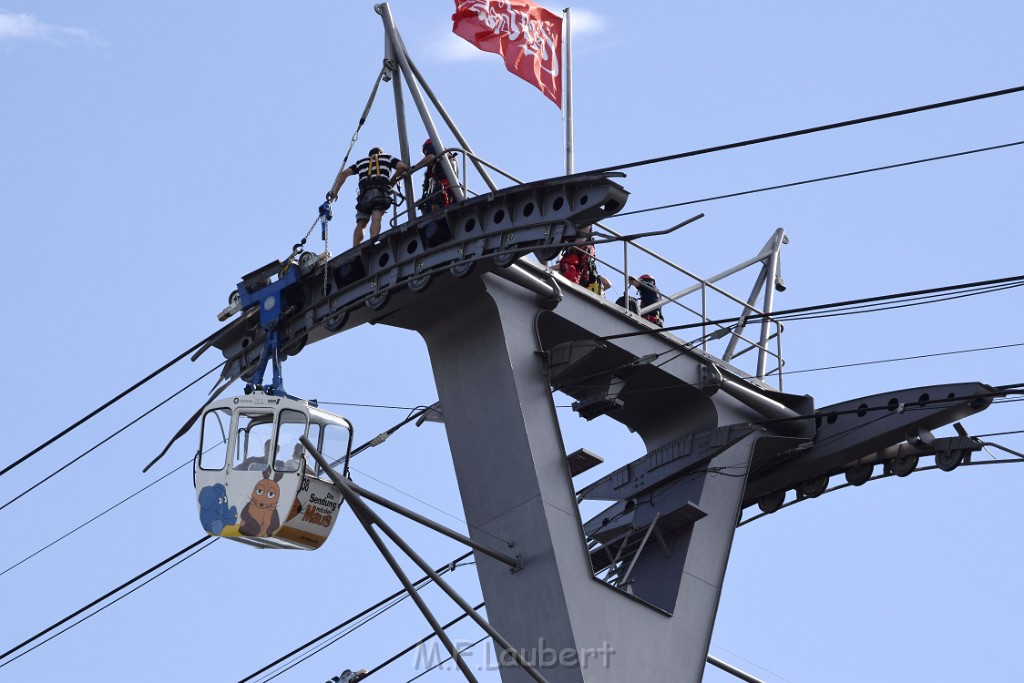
[152, 153]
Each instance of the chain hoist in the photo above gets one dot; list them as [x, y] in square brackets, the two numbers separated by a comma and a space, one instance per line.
[325, 217]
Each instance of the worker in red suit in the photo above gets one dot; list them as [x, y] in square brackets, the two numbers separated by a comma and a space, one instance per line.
[579, 264]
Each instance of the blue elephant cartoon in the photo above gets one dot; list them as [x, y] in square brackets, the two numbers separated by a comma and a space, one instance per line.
[214, 513]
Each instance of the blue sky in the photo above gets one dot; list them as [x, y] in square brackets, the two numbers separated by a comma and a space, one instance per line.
[153, 154]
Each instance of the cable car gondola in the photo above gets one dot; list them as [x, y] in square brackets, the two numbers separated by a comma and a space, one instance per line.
[255, 481]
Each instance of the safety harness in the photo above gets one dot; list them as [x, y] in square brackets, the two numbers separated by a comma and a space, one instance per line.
[589, 277]
[437, 192]
[582, 259]
[375, 192]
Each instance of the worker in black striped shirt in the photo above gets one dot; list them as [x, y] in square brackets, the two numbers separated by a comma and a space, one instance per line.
[377, 174]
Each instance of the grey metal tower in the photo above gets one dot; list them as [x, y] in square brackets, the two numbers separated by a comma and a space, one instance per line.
[630, 595]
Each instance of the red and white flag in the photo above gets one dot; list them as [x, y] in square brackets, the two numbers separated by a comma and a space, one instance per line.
[527, 36]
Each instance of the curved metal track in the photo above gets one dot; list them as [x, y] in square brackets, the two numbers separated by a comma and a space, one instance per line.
[467, 239]
[885, 474]
[852, 437]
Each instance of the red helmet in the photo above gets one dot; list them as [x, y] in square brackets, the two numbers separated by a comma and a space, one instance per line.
[647, 278]
[426, 144]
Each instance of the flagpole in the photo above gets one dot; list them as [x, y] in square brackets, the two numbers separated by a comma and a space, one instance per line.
[567, 91]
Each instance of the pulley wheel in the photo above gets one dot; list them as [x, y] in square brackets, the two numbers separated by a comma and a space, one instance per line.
[297, 345]
[461, 270]
[859, 474]
[947, 461]
[902, 465]
[505, 260]
[547, 254]
[813, 487]
[335, 322]
[378, 300]
[420, 282]
[771, 502]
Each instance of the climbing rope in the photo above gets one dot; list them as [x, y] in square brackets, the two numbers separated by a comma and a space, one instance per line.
[384, 72]
[325, 213]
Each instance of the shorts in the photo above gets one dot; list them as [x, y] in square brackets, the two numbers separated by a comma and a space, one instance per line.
[373, 197]
[362, 215]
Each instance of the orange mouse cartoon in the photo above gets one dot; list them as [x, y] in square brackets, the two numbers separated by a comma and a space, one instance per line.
[259, 516]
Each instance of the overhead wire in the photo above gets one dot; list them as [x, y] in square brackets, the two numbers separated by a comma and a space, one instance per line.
[109, 604]
[878, 304]
[708, 150]
[892, 307]
[798, 183]
[284, 668]
[742, 472]
[433, 507]
[94, 518]
[109, 509]
[782, 678]
[111, 436]
[884, 475]
[734, 145]
[128, 583]
[814, 129]
[106, 405]
[937, 354]
[100, 599]
[861, 410]
[425, 579]
[365, 405]
[675, 353]
[414, 414]
[1015, 281]
[910, 406]
[983, 436]
[170, 558]
[177, 359]
[446, 659]
[421, 641]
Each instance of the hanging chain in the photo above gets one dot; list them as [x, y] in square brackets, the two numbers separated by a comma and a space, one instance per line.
[327, 258]
[310, 231]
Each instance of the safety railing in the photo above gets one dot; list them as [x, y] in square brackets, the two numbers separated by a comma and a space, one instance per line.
[714, 313]
[398, 217]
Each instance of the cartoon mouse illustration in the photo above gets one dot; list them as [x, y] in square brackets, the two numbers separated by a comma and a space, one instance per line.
[259, 516]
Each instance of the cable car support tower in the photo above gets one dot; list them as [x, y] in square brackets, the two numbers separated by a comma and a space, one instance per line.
[631, 594]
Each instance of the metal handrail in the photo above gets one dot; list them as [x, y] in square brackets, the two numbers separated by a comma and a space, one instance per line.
[771, 329]
[703, 285]
[703, 339]
[397, 216]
